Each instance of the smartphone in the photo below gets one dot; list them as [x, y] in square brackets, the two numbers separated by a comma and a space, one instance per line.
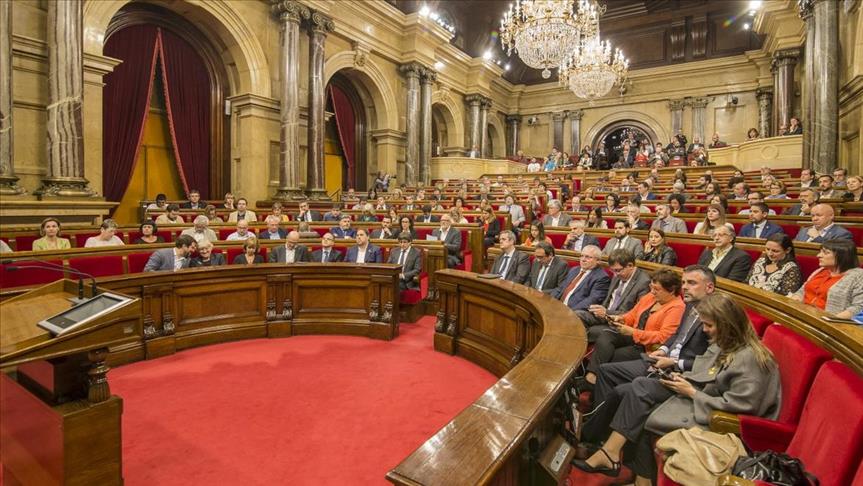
[648, 358]
[664, 374]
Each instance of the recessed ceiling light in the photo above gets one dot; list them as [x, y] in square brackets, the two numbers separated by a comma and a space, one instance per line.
[487, 55]
[425, 11]
[438, 65]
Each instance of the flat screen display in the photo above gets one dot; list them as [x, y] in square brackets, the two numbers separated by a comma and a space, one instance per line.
[81, 313]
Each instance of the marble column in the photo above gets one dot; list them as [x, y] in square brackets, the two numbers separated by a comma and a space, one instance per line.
[412, 74]
[676, 107]
[557, 127]
[484, 147]
[765, 110]
[319, 26]
[8, 181]
[427, 78]
[65, 101]
[825, 126]
[805, 9]
[575, 131]
[782, 67]
[290, 14]
[699, 106]
[512, 125]
[473, 121]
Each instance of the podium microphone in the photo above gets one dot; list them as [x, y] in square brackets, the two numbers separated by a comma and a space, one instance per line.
[58, 268]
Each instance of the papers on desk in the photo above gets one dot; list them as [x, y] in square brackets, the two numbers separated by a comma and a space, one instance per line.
[431, 238]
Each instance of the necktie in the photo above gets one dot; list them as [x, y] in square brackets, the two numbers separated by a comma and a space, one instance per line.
[541, 279]
[615, 297]
[403, 257]
[619, 244]
[681, 336]
[504, 266]
[326, 256]
[572, 285]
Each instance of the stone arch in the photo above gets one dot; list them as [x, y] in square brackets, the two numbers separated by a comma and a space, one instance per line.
[645, 122]
[372, 83]
[216, 19]
[497, 135]
[444, 107]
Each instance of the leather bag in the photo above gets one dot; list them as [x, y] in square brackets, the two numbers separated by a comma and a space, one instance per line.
[697, 457]
[775, 468]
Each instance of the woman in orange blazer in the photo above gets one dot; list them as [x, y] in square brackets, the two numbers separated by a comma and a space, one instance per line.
[650, 323]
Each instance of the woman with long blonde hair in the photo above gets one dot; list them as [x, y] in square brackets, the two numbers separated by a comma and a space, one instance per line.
[713, 218]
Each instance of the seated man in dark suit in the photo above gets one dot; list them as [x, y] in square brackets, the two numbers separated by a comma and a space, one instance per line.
[334, 214]
[172, 258]
[307, 214]
[823, 228]
[327, 254]
[364, 252]
[759, 227]
[547, 271]
[512, 264]
[808, 198]
[273, 231]
[451, 238]
[410, 259]
[724, 258]
[385, 232]
[206, 257]
[344, 230]
[586, 284]
[194, 201]
[577, 238]
[629, 284]
[291, 252]
[427, 216]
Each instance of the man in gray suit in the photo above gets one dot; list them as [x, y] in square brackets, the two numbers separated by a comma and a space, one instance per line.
[666, 222]
[577, 238]
[622, 240]
[291, 252]
[451, 238]
[410, 259]
[629, 284]
[555, 216]
[512, 264]
[172, 258]
[547, 272]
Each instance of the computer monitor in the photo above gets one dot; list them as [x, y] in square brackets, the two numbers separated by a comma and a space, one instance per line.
[83, 313]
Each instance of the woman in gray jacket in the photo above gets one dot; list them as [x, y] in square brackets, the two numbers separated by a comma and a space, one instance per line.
[736, 374]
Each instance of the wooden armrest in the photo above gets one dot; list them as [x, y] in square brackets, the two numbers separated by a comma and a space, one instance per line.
[730, 480]
[724, 423]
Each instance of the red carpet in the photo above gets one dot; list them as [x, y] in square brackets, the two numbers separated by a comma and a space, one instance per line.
[300, 410]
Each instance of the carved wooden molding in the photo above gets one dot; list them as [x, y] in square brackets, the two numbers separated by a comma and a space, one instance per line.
[439, 325]
[98, 389]
[374, 307]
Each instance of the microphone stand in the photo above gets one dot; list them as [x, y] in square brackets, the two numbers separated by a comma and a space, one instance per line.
[43, 265]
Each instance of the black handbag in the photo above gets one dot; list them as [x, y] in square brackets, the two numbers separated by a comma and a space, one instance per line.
[774, 467]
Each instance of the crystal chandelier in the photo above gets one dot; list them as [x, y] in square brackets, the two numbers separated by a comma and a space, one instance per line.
[592, 69]
[542, 32]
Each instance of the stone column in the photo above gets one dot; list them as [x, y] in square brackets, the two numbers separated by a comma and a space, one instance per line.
[698, 111]
[319, 26]
[290, 13]
[512, 125]
[805, 9]
[783, 86]
[473, 121]
[825, 126]
[676, 107]
[427, 77]
[557, 122]
[765, 110]
[65, 100]
[412, 73]
[575, 131]
[8, 181]
[483, 127]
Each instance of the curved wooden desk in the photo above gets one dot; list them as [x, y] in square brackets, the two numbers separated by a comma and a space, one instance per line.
[535, 342]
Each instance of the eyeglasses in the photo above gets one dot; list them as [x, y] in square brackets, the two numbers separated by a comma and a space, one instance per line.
[329, 238]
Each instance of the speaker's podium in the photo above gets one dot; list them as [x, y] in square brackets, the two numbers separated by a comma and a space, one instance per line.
[59, 423]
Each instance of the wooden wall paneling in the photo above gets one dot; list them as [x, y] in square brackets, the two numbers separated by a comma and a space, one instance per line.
[677, 35]
[698, 35]
[444, 341]
[488, 334]
[280, 305]
[157, 311]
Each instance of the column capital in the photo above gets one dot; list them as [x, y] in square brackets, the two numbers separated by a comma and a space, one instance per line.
[476, 99]
[513, 118]
[699, 103]
[785, 57]
[320, 23]
[289, 10]
[575, 114]
[805, 9]
[764, 92]
[412, 69]
[486, 103]
[428, 76]
[675, 105]
[558, 115]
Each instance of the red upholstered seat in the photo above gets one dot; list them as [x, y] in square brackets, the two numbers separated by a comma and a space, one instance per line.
[99, 265]
[28, 277]
[857, 232]
[808, 264]
[759, 322]
[798, 359]
[232, 253]
[687, 253]
[137, 261]
[225, 232]
[410, 297]
[557, 239]
[165, 234]
[25, 242]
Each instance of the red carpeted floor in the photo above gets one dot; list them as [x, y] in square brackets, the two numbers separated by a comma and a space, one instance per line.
[301, 410]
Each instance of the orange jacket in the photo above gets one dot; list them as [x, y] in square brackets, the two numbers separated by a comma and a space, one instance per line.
[660, 326]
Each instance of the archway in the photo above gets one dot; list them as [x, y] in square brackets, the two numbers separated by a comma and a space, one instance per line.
[350, 127]
[442, 126]
[613, 121]
[449, 120]
[496, 142]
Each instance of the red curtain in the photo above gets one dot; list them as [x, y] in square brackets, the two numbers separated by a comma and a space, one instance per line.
[125, 104]
[187, 96]
[346, 125]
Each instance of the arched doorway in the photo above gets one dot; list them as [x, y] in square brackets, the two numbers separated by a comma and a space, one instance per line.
[440, 130]
[349, 128]
[614, 133]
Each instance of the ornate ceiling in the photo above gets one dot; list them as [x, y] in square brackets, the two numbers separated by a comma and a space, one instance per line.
[650, 32]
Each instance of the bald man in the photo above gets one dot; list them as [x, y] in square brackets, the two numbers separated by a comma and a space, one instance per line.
[823, 228]
[291, 252]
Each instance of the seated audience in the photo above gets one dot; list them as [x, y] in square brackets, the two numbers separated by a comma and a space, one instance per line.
[595, 220]
[406, 226]
[537, 234]
[250, 253]
[807, 179]
[666, 222]
[612, 203]
[210, 213]
[457, 216]
[633, 214]
[794, 127]
[656, 250]
[808, 198]
[161, 203]
[385, 232]
[736, 374]
[725, 259]
[344, 230]
[855, 189]
[714, 218]
[148, 234]
[201, 231]
[411, 261]
[50, 240]
[172, 258]
[427, 216]
[305, 230]
[277, 212]
[327, 254]
[577, 238]
[512, 264]
[242, 213]
[644, 192]
[752, 134]
[629, 284]
[194, 201]
[334, 214]
[368, 215]
[171, 217]
[759, 226]
[825, 188]
[363, 251]
[381, 204]
[622, 240]
[837, 286]
[451, 238]
[546, 272]
[515, 211]
[823, 228]
[490, 227]
[840, 177]
[409, 204]
[716, 143]
[307, 214]
[350, 196]
[755, 197]
[242, 232]
[106, 237]
[677, 203]
[291, 252]
[778, 190]
[777, 269]
[206, 257]
[586, 284]
[555, 216]
[229, 202]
